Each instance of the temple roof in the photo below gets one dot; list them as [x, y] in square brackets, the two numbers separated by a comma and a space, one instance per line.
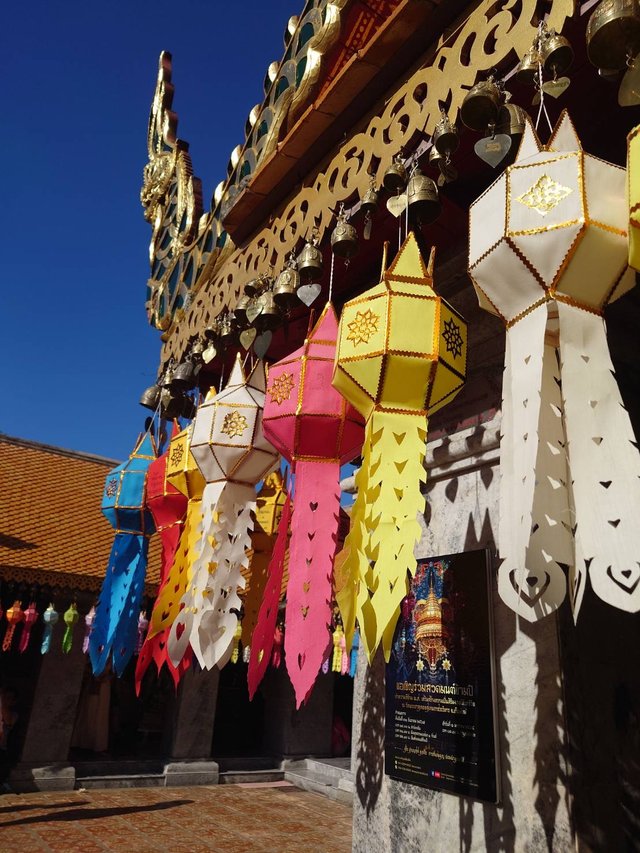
[52, 530]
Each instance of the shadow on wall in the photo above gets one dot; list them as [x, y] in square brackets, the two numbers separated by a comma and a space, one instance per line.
[370, 756]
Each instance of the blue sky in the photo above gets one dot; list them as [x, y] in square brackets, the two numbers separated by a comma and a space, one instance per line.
[78, 77]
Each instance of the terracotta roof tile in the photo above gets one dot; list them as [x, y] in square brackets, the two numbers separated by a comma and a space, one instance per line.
[51, 527]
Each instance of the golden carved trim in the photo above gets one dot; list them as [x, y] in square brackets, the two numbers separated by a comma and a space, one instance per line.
[453, 68]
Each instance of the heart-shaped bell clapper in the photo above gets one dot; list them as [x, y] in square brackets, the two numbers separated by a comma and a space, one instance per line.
[261, 343]
[209, 354]
[397, 204]
[254, 309]
[493, 149]
[308, 293]
[629, 91]
[248, 337]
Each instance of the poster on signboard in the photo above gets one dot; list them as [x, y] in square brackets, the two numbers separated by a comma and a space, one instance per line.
[440, 680]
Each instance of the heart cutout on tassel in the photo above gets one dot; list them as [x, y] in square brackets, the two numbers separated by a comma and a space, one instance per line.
[308, 293]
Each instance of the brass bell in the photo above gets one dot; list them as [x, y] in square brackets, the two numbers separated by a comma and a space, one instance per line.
[613, 33]
[422, 198]
[395, 178]
[252, 288]
[369, 202]
[240, 311]
[171, 404]
[511, 120]
[310, 262]
[188, 407]
[227, 331]
[344, 238]
[445, 137]
[527, 71]
[185, 375]
[166, 380]
[287, 284]
[269, 316]
[150, 397]
[212, 332]
[197, 350]
[481, 104]
[556, 54]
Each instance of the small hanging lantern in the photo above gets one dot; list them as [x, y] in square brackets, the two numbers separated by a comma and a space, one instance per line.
[119, 604]
[89, 619]
[14, 616]
[310, 262]
[50, 618]
[70, 617]
[30, 618]
[344, 237]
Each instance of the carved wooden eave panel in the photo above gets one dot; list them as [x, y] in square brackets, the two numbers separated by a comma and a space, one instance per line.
[492, 35]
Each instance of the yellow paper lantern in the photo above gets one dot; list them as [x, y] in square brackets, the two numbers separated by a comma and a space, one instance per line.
[633, 188]
[401, 355]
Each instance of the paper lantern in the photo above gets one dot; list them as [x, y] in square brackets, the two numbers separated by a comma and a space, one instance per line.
[547, 253]
[123, 504]
[15, 615]
[30, 618]
[317, 430]
[70, 617]
[168, 507]
[233, 456]
[183, 473]
[401, 355]
[633, 184]
[89, 619]
[50, 618]
[269, 505]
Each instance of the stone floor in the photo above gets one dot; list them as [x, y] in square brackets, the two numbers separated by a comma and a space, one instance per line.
[229, 818]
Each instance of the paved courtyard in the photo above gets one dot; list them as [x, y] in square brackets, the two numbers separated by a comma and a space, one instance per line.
[225, 818]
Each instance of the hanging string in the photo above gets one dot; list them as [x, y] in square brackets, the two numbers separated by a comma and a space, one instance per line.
[542, 108]
[333, 260]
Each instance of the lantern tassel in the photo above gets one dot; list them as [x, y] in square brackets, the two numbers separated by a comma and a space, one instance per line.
[311, 552]
[604, 460]
[116, 621]
[262, 641]
[218, 617]
[536, 517]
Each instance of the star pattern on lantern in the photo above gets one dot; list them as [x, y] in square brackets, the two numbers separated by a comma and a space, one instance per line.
[363, 327]
[544, 195]
[177, 452]
[281, 388]
[453, 338]
[446, 664]
[234, 424]
[420, 665]
[111, 488]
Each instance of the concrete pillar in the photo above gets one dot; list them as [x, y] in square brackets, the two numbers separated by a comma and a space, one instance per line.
[297, 734]
[192, 718]
[43, 764]
[534, 812]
